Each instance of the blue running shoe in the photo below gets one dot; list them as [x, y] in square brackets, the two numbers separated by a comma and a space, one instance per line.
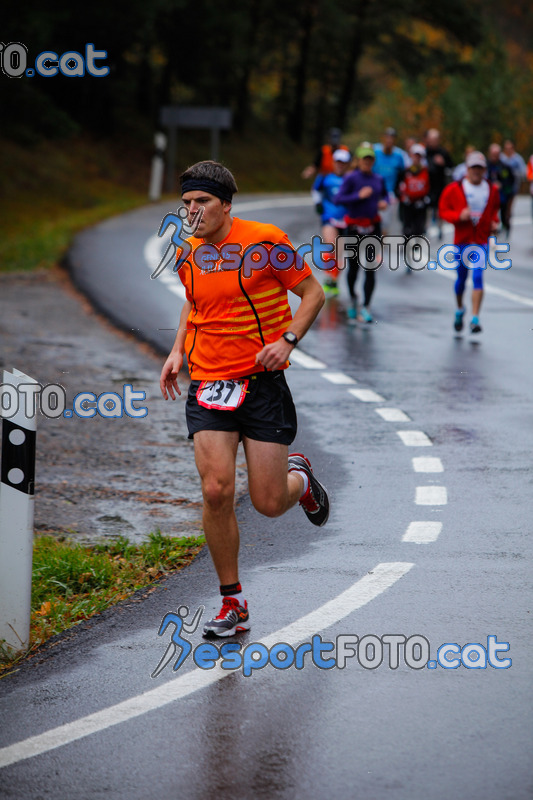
[458, 323]
[475, 327]
[366, 315]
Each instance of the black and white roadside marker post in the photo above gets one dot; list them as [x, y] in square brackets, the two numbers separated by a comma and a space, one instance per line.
[158, 167]
[16, 506]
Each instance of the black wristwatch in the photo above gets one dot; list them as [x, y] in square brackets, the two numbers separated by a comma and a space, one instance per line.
[291, 338]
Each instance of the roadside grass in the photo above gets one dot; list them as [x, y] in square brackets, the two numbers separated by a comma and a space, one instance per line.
[53, 189]
[72, 582]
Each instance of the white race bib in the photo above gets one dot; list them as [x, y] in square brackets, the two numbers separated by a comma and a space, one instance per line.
[222, 395]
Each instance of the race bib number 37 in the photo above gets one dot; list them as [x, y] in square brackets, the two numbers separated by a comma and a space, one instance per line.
[221, 395]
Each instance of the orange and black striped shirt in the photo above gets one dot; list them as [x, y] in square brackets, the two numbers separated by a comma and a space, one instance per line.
[237, 309]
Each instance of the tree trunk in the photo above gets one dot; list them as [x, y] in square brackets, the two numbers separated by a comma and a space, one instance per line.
[296, 120]
[242, 112]
[354, 56]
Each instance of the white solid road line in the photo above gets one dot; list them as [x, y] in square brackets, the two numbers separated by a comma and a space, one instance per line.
[179, 290]
[422, 532]
[367, 395]
[338, 377]
[414, 438]
[359, 594]
[305, 360]
[172, 280]
[431, 496]
[427, 465]
[490, 289]
[392, 414]
[275, 202]
[517, 298]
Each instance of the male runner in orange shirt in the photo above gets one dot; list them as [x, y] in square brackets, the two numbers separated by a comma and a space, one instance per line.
[237, 331]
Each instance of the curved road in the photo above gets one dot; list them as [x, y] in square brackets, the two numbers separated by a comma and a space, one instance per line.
[424, 439]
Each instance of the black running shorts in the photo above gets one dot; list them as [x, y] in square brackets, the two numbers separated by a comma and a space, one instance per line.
[267, 413]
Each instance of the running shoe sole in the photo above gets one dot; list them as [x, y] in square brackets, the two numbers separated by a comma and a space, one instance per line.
[210, 633]
[211, 630]
[319, 491]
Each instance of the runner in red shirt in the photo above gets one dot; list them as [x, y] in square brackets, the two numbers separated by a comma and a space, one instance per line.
[471, 205]
[413, 191]
[237, 331]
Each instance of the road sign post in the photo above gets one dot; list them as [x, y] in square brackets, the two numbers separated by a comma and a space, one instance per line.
[16, 510]
[214, 118]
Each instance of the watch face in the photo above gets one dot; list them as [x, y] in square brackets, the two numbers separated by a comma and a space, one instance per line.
[291, 338]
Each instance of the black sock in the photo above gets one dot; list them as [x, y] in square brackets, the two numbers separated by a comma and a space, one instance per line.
[233, 590]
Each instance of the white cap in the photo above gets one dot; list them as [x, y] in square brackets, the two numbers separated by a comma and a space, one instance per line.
[476, 159]
[419, 149]
[342, 155]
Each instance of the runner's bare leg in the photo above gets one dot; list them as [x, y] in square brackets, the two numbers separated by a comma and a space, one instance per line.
[215, 453]
[477, 297]
[272, 489]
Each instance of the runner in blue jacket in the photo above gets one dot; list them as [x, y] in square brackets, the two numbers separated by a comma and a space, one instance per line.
[324, 192]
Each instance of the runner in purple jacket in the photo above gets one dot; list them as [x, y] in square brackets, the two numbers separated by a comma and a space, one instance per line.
[363, 193]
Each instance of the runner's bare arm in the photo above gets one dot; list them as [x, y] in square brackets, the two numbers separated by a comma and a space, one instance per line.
[274, 355]
[169, 374]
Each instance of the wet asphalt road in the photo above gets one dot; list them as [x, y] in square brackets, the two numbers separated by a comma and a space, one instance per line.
[322, 733]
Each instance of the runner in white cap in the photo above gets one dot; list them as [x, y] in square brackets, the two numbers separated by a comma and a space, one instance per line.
[472, 206]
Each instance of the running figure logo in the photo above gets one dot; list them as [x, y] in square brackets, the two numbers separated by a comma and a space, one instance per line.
[181, 220]
[176, 640]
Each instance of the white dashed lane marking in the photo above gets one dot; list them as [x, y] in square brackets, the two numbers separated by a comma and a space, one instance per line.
[422, 532]
[338, 377]
[305, 360]
[427, 465]
[392, 414]
[367, 395]
[431, 496]
[414, 438]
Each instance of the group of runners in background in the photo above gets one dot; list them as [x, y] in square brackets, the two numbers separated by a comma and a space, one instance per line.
[367, 193]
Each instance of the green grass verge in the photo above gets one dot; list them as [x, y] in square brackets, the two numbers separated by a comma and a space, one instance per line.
[72, 582]
[53, 190]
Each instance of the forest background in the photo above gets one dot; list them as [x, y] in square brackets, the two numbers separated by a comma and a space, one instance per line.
[74, 150]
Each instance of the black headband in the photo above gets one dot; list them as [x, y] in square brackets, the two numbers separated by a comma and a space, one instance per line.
[206, 185]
